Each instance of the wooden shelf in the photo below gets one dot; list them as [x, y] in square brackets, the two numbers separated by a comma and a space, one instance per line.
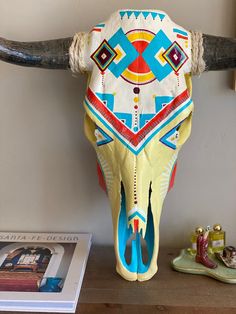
[104, 291]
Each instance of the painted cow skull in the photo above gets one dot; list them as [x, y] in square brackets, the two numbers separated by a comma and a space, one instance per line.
[138, 115]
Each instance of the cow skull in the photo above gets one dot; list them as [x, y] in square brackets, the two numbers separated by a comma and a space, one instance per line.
[138, 114]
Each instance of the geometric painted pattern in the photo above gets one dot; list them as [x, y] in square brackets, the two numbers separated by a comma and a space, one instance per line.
[138, 72]
[162, 101]
[151, 55]
[136, 213]
[104, 55]
[127, 118]
[167, 175]
[106, 171]
[180, 31]
[120, 42]
[102, 137]
[145, 14]
[108, 100]
[98, 28]
[175, 56]
[170, 139]
[144, 118]
[136, 141]
[182, 35]
[139, 56]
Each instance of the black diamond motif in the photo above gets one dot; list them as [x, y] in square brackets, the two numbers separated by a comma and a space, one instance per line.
[104, 55]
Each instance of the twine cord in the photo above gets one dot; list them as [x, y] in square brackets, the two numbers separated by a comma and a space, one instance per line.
[77, 64]
[198, 63]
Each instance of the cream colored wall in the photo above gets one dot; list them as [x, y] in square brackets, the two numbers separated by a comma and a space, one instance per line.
[47, 169]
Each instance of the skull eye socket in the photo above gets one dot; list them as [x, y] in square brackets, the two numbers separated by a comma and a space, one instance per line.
[95, 134]
[184, 130]
[89, 129]
[178, 135]
[102, 137]
[178, 127]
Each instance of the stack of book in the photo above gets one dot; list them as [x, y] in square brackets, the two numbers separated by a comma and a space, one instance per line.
[43, 271]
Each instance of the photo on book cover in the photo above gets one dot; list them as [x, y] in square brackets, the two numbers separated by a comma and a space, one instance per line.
[34, 267]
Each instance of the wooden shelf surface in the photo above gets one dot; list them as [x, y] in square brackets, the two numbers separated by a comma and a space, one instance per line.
[105, 292]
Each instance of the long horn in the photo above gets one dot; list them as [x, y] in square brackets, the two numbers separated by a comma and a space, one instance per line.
[50, 54]
[219, 53]
[212, 53]
[209, 53]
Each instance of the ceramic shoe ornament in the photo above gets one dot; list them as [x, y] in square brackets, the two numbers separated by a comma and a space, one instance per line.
[138, 112]
[202, 250]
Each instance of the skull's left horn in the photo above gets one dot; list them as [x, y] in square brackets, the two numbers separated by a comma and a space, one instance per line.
[209, 53]
[50, 54]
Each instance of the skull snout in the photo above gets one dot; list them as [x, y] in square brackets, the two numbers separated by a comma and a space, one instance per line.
[135, 237]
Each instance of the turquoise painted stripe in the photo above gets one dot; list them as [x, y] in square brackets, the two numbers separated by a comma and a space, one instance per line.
[100, 25]
[136, 152]
[177, 30]
[137, 214]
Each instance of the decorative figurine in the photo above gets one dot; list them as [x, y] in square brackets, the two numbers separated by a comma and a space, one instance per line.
[202, 253]
[228, 256]
[194, 235]
[216, 239]
[220, 265]
[138, 113]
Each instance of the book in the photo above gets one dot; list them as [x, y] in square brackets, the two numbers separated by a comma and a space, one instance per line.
[42, 272]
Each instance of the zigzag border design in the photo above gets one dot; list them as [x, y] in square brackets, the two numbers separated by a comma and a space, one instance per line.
[145, 14]
[132, 140]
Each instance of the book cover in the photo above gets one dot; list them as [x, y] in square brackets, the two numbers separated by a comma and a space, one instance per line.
[42, 272]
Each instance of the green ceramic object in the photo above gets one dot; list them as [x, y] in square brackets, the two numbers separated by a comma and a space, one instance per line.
[185, 263]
